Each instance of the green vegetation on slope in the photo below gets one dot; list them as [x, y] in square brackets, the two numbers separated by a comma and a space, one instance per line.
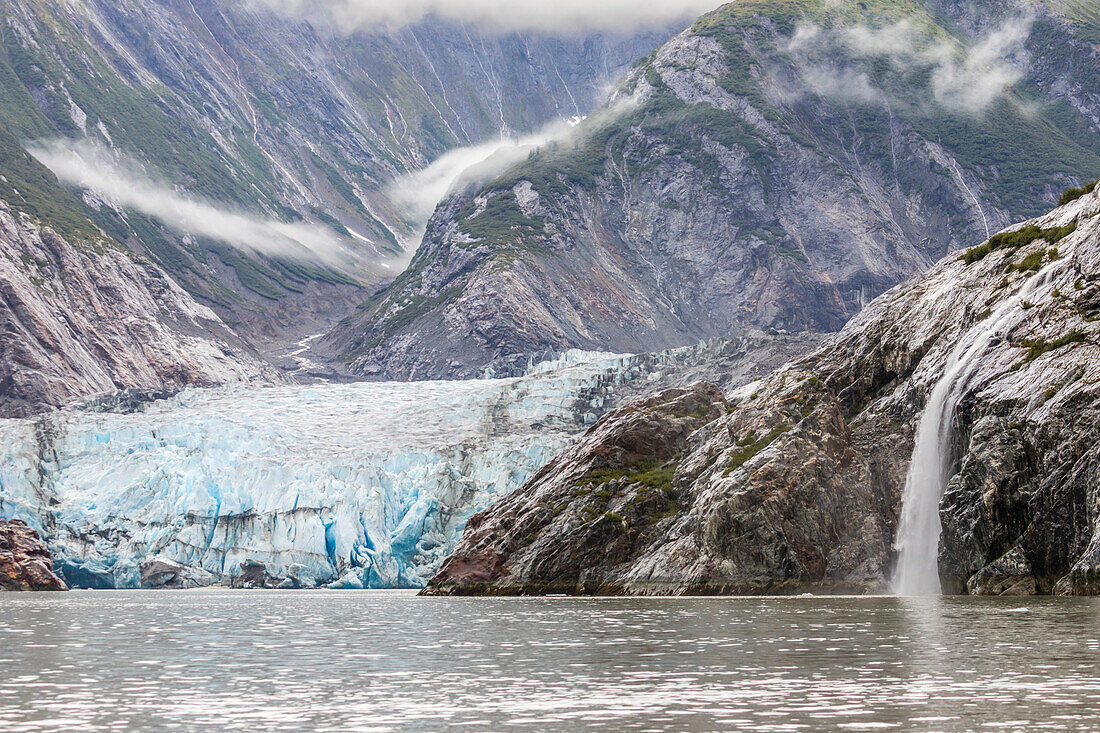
[29, 187]
[1084, 14]
[1019, 144]
[500, 222]
[1014, 240]
[902, 137]
[1073, 194]
[39, 83]
[1036, 348]
[751, 445]
[646, 471]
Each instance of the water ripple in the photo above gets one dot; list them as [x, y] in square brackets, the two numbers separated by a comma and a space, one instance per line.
[387, 661]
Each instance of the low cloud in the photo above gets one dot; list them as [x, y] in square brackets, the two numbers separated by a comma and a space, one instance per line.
[562, 16]
[963, 78]
[123, 184]
[845, 84]
[900, 40]
[985, 72]
[417, 194]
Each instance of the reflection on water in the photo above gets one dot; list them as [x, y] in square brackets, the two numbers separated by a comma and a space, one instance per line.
[237, 660]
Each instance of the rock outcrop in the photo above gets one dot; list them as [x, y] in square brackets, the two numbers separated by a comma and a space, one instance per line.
[78, 319]
[798, 486]
[25, 560]
[777, 165]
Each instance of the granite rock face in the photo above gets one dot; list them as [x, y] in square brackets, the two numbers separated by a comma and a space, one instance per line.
[798, 485]
[762, 169]
[25, 560]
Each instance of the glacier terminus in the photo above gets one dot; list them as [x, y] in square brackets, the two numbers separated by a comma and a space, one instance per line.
[364, 485]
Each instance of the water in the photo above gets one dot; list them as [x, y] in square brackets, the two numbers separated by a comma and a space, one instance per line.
[215, 660]
[918, 538]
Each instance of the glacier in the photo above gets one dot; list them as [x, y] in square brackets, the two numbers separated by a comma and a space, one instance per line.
[364, 485]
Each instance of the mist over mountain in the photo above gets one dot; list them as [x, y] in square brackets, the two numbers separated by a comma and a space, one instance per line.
[566, 17]
[780, 164]
[256, 158]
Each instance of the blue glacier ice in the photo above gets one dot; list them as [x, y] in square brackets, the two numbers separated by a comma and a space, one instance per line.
[363, 485]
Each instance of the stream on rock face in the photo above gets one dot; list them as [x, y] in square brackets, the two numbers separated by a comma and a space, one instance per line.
[222, 660]
[918, 538]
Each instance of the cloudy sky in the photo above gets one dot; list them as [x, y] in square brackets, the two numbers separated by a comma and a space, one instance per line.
[506, 15]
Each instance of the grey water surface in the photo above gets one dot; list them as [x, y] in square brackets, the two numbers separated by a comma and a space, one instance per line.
[219, 660]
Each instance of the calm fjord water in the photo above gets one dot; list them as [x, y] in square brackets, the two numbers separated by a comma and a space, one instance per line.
[216, 660]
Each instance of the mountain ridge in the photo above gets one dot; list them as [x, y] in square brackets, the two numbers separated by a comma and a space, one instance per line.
[722, 189]
[220, 177]
[279, 119]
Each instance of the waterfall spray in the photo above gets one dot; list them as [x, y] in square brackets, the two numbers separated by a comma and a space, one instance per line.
[918, 537]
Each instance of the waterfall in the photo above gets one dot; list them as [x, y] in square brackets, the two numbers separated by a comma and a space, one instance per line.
[918, 537]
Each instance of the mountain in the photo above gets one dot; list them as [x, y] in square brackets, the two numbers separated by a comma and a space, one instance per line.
[285, 121]
[80, 314]
[978, 380]
[776, 165]
[224, 176]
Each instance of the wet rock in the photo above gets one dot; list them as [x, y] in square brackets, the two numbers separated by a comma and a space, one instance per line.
[797, 486]
[1009, 575]
[25, 562]
[163, 572]
[253, 575]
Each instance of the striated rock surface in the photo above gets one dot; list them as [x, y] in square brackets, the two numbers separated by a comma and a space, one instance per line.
[24, 560]
[777, 165]
[797, 486]
[82, 319]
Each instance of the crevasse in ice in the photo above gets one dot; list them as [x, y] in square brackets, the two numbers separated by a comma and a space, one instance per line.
[353, 485]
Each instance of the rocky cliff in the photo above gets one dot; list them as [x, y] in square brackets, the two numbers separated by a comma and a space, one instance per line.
[24, 560]
[81, 318]
[796, 483]
[776, 165]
